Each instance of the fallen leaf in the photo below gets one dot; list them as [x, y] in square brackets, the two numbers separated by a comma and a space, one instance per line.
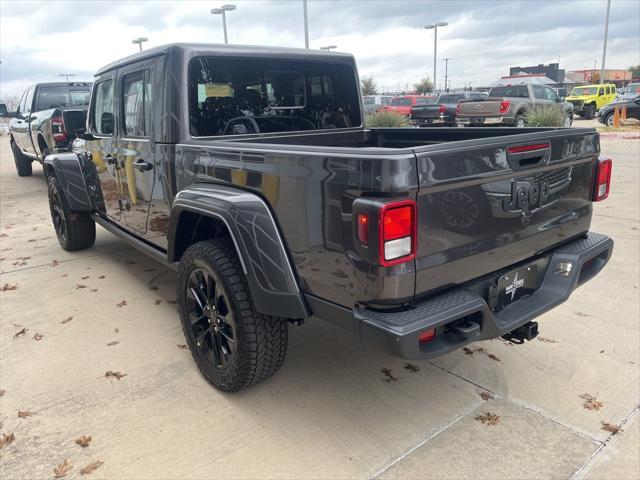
[580, 314]
[121, 304]
[610, 427]
[591, 402]
[85, 277]
[83, 440]
[78, 286]
[153, 288]
[115, 330]
[62, 469]
[111, 344]
[2, 392]
[38, 336]
[182, 346]
[94, 289]
[64, 275]
[54, 263]
[493, 357]
[101, 277]
[6, 287]
[486, 396]
[157, 302]
[7, 439]
[91, 467]
[467, 351]
[388, 375]
[25, 413]
[411, 367]
[489, 419]
[67, 320]
[117, 375]
[21, 332]
[547, 340]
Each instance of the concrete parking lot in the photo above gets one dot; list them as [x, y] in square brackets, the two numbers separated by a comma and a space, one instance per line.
[329, 413]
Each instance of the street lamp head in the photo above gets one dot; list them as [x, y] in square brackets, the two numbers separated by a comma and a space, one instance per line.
[441, 24]
[139, 40]
[429, 27]
[328, 47]
[229, 7]
[216, 11]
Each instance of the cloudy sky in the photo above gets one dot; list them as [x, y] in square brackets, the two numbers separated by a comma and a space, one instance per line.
[40, 40]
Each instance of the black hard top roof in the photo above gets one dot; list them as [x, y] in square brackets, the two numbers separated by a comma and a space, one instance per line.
[190, 49]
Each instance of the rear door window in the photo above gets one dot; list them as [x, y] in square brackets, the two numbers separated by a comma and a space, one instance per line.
[102, 117]
[136, 104]
[516, 91]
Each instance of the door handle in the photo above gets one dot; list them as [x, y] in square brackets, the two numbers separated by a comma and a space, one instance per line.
[111, 160]
[142, 165]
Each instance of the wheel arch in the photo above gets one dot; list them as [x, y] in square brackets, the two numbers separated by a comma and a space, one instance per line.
[205, 211]
[76, 173]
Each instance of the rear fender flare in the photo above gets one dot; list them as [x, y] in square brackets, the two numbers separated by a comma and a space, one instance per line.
[78, 178]
[262, 251]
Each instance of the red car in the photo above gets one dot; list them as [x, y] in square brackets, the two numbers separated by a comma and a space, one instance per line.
[404, 103]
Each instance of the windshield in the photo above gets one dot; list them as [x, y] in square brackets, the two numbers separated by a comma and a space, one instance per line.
[518, 91]
[632, 88]
[578, 91]
[369, 101]
[62, 96]
[450, 98]
[244, 96]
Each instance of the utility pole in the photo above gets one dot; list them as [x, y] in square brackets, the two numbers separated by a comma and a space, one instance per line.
[306, 23]
[67, 75]
[604, 47]
[446, 72]
[140, 41]
[222, 11]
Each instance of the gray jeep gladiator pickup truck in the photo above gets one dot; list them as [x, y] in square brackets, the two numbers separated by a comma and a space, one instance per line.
[509, 105]
[48, 119]
[249, 171]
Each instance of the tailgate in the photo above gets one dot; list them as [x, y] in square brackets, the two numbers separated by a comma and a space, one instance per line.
[486, 204]
[426, 111]
[488, 106]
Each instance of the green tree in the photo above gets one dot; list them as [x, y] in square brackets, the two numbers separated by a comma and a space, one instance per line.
[424, 86]
[369, 86]
[635, 71]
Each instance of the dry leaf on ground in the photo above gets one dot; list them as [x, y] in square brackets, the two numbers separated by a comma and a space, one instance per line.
[67, 320]
[153, 288]
[610, 427]
[486, 396]
[84, 278]
[25, 413]
[7, 439]
[101, 277]
[115, 330]
[157, 302]
[411, 367]
[6, 287]
[83, 440]
[591, 402]
[78, 286]
[547, 340]
[489, 418]
[54, 263]
[2, 392]
[117, 375]
[467, 351]
[182, 346]
[62, 469]
[171, 302]
[111, 344]
[493, 357]
[388, 375]
[121, 304]
[38, 336]
[21, 332]
[91, 467]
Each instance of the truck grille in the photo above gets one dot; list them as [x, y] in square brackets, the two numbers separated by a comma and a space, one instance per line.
[576, 103]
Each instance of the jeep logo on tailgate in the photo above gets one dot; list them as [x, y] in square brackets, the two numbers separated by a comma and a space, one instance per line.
[526, 196]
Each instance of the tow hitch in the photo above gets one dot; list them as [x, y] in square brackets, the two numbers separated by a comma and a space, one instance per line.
[528, 331]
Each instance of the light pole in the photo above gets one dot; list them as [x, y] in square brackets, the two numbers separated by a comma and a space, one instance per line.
[604, 47]
[140, 41]
[435, 45]
[67, 75]
[221, 11]
[446, 72]
[328, 48]
[305, 12]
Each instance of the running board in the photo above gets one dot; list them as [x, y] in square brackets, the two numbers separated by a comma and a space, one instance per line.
[135, 242]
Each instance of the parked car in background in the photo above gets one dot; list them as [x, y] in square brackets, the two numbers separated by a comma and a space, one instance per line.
[274, 203]
[48, 119]
[588, 99]
[629, 92]
[442, 111]
[606, 113]
[509, 104]
[403, 104]
[373, 103]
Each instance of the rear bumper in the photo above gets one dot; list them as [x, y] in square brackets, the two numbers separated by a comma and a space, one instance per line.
[398, 332]
[484, 120]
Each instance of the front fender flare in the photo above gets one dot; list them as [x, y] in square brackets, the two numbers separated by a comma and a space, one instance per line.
[270, 274]
[78, 177]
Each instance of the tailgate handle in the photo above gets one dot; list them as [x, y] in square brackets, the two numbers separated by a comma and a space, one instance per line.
[522, 156]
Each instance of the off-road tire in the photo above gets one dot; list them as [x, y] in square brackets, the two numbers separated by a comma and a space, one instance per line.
[260, 340]
[589, 112]
[519, 121]
[23, 163]
[79, 228]
[568, 121]
[608, 120]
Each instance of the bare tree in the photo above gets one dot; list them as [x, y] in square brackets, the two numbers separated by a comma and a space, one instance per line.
[424, 86]
[369, 86]
[12, 102]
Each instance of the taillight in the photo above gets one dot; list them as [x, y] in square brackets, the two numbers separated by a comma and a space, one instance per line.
[363, 228]
[427, 336]
[504, 106]
[603, 179]
[397, 232]
[458, 109]
[442, 108]
[57, 129]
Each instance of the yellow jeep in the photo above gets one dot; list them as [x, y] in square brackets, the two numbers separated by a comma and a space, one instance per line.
[588, 99]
